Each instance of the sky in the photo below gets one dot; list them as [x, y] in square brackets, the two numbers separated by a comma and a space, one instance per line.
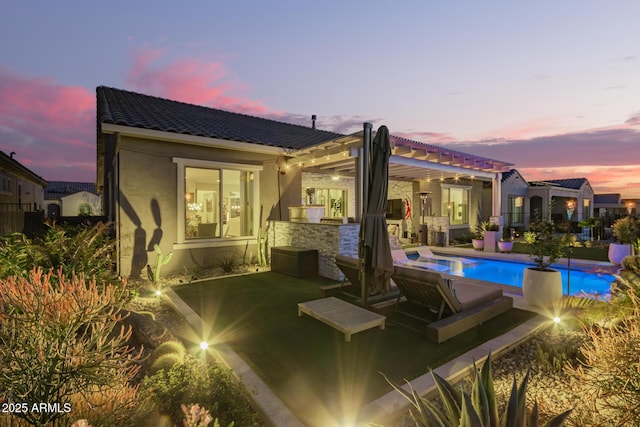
[552, 87]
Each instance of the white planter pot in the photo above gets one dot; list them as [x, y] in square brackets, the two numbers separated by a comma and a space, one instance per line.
[542, 288]
[505, 246]
[617, 252]
[478, 244]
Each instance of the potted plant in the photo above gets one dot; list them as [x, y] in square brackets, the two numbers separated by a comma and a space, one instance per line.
[505, 244]
[624, 231]
[478, 236]
[542, 285]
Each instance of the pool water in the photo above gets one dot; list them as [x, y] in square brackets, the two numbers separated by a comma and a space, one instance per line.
[510, 273]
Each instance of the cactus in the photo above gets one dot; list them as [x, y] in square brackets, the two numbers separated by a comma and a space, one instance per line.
[160, 261]
[263, 238]
[479, 408]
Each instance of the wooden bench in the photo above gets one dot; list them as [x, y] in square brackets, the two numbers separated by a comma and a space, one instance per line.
[341, 315]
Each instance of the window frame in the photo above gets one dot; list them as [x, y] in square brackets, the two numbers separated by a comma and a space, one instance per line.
[468, 188]
[181, 164]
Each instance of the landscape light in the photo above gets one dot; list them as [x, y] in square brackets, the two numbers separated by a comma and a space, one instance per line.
[204, 345]
[158, 292]
[556, 319]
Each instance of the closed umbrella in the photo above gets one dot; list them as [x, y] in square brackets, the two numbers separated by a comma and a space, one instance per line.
[374, 249]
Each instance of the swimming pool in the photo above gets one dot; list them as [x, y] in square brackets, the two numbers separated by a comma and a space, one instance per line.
[510, 273]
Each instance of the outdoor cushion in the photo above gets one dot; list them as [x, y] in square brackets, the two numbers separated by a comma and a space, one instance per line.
[426, 288]
[473, 295]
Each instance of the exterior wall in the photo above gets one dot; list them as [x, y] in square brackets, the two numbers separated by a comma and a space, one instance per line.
[515, 186]
[328, 239]
[147, 211]
[71, 203]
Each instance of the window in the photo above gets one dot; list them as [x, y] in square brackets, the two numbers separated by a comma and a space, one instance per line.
[586, 208]
[516, 210]
[216, 200]
[334, 200]
[455, 204]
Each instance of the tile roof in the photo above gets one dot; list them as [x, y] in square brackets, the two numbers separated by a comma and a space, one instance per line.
[121, 107]
[58, 189]
[573, 183]
[613, 198]
[507, 175]
[10, 162]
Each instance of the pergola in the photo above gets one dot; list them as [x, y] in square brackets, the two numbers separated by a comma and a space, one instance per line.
[410, 161]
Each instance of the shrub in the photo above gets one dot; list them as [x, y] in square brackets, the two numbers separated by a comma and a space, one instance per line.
[229, 262]
[624, 230]
[479, 408]
[207, 383]
[84, 250]
[609, 377]
[58, 338]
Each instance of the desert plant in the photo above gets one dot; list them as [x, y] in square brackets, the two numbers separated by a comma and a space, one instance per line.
[169, 347]
[529, 236]
[480, 408]
[58, 337]
[161, 260]
[166, 362]
[84, 250]
[624, 230]
[590, 223]
[609, 376]
[196, 416]
[228, 262]
[207, 383]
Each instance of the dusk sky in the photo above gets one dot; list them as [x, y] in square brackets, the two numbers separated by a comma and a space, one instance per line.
[551, 86]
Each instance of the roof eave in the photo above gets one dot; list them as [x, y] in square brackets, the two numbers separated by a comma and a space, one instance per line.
[108, 128]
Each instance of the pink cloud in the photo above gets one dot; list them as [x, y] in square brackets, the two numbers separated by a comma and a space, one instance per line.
[189, 80]
[50, 126]
[622, 179]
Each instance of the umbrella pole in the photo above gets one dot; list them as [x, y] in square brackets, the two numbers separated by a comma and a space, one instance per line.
[366, 150]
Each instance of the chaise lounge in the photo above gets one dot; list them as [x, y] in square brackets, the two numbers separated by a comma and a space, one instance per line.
[448, 308]
[350, 268]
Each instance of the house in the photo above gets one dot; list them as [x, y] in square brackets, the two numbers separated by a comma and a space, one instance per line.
[201, 183]
[21, 192]
[572, 198]
[67, 199]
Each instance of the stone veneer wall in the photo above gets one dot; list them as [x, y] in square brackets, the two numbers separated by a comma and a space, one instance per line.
[328, 239]
[437, 223]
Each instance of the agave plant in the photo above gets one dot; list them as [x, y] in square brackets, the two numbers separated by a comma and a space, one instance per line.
[480, 408]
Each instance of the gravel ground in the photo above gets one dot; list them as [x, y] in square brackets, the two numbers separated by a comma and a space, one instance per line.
[554, 391]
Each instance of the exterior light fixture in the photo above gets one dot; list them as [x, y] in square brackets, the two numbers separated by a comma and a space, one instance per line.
[571, 206]
[204, 345]
[158, 292]
[630, 205]
[556, 320]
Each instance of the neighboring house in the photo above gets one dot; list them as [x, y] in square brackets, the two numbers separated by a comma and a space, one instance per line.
[515, 200]
[572, 199]
[21, 190]
[523, 202]
[612, 206]
[201, 182]
[68, 199]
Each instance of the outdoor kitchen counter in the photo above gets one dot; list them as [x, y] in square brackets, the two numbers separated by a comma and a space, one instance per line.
[329, 239]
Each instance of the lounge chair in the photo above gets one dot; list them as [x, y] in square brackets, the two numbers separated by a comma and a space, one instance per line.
[350, 268]
[456, 307]
[400, 258]
[425, 254]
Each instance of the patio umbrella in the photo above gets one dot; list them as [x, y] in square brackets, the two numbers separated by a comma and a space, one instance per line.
[374, 249]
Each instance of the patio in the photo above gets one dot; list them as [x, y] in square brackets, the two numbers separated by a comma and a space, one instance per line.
[344, 378]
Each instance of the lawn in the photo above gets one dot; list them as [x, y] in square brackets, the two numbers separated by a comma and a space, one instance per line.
[307, 363]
